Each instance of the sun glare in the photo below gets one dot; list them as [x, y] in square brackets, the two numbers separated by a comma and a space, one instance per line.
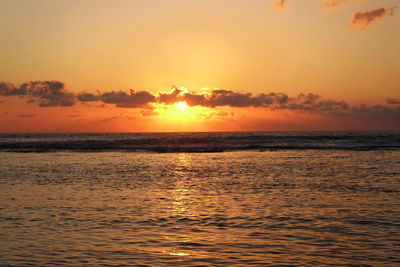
[182, 105]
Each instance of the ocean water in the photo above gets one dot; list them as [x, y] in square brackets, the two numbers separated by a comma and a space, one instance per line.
[248, 199]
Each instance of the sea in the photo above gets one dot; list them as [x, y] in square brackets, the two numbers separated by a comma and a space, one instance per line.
[200, 199]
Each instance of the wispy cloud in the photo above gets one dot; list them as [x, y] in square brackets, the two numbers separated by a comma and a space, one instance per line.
[281, 4]
[26, 115]
[332, 4]
[329, 4]
[75, 115]
[361, 21]
[109, 119]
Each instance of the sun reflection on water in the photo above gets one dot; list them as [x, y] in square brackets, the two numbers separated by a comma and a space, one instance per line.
[181, 195]
[181, 254]
[182, 191]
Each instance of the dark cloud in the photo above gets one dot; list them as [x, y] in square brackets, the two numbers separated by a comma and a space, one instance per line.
[371, 109]
[361, 21]
[52, 93]
[85, 97]
[274, 99]
[8, 89]
[230, 98]
[49, 93]
[313, 102]
[234, 99]
[194, 99]
[171, 97]
[220, 98]
[393, 101]
[378, 115]
[128, 100]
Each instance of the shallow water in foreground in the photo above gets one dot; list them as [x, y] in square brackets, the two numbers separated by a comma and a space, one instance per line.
[299, 207]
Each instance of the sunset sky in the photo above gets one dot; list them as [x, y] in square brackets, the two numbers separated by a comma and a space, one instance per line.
[186, 65]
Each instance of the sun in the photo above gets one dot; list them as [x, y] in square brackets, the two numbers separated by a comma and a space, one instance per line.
[180, 116]
[182, 105]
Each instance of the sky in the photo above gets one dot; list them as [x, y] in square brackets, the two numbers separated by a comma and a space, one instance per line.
[186, 65]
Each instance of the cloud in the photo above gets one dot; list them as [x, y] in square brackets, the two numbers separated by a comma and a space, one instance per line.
[120, 98]
[109, 119]
[170, 97]
[313, 102]
[234, 99]
[128, 100]
[329, 4]
[194, 99]
[273, 100]
[26, 115]
[8, 89]
[230, 98]
[85, 97]
[376, 114]
[281, 4]
[332, 4]
[49, 93]
[393, 101]
[75, 115]
[361, 21]
[371, 109]
[52, 93]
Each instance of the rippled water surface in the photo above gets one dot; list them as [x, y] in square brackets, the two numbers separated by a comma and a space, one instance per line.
[298, 207]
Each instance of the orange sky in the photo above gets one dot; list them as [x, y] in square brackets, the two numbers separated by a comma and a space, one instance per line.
[247, 65]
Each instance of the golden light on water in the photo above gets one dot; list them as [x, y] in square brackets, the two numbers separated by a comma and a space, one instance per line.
[178, 254]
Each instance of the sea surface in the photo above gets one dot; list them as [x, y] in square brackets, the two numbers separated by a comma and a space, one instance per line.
[200, 199]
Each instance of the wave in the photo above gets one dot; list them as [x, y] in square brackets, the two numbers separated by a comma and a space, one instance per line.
[199, 142]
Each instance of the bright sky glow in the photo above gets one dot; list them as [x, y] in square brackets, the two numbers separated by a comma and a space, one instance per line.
[301, 62]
